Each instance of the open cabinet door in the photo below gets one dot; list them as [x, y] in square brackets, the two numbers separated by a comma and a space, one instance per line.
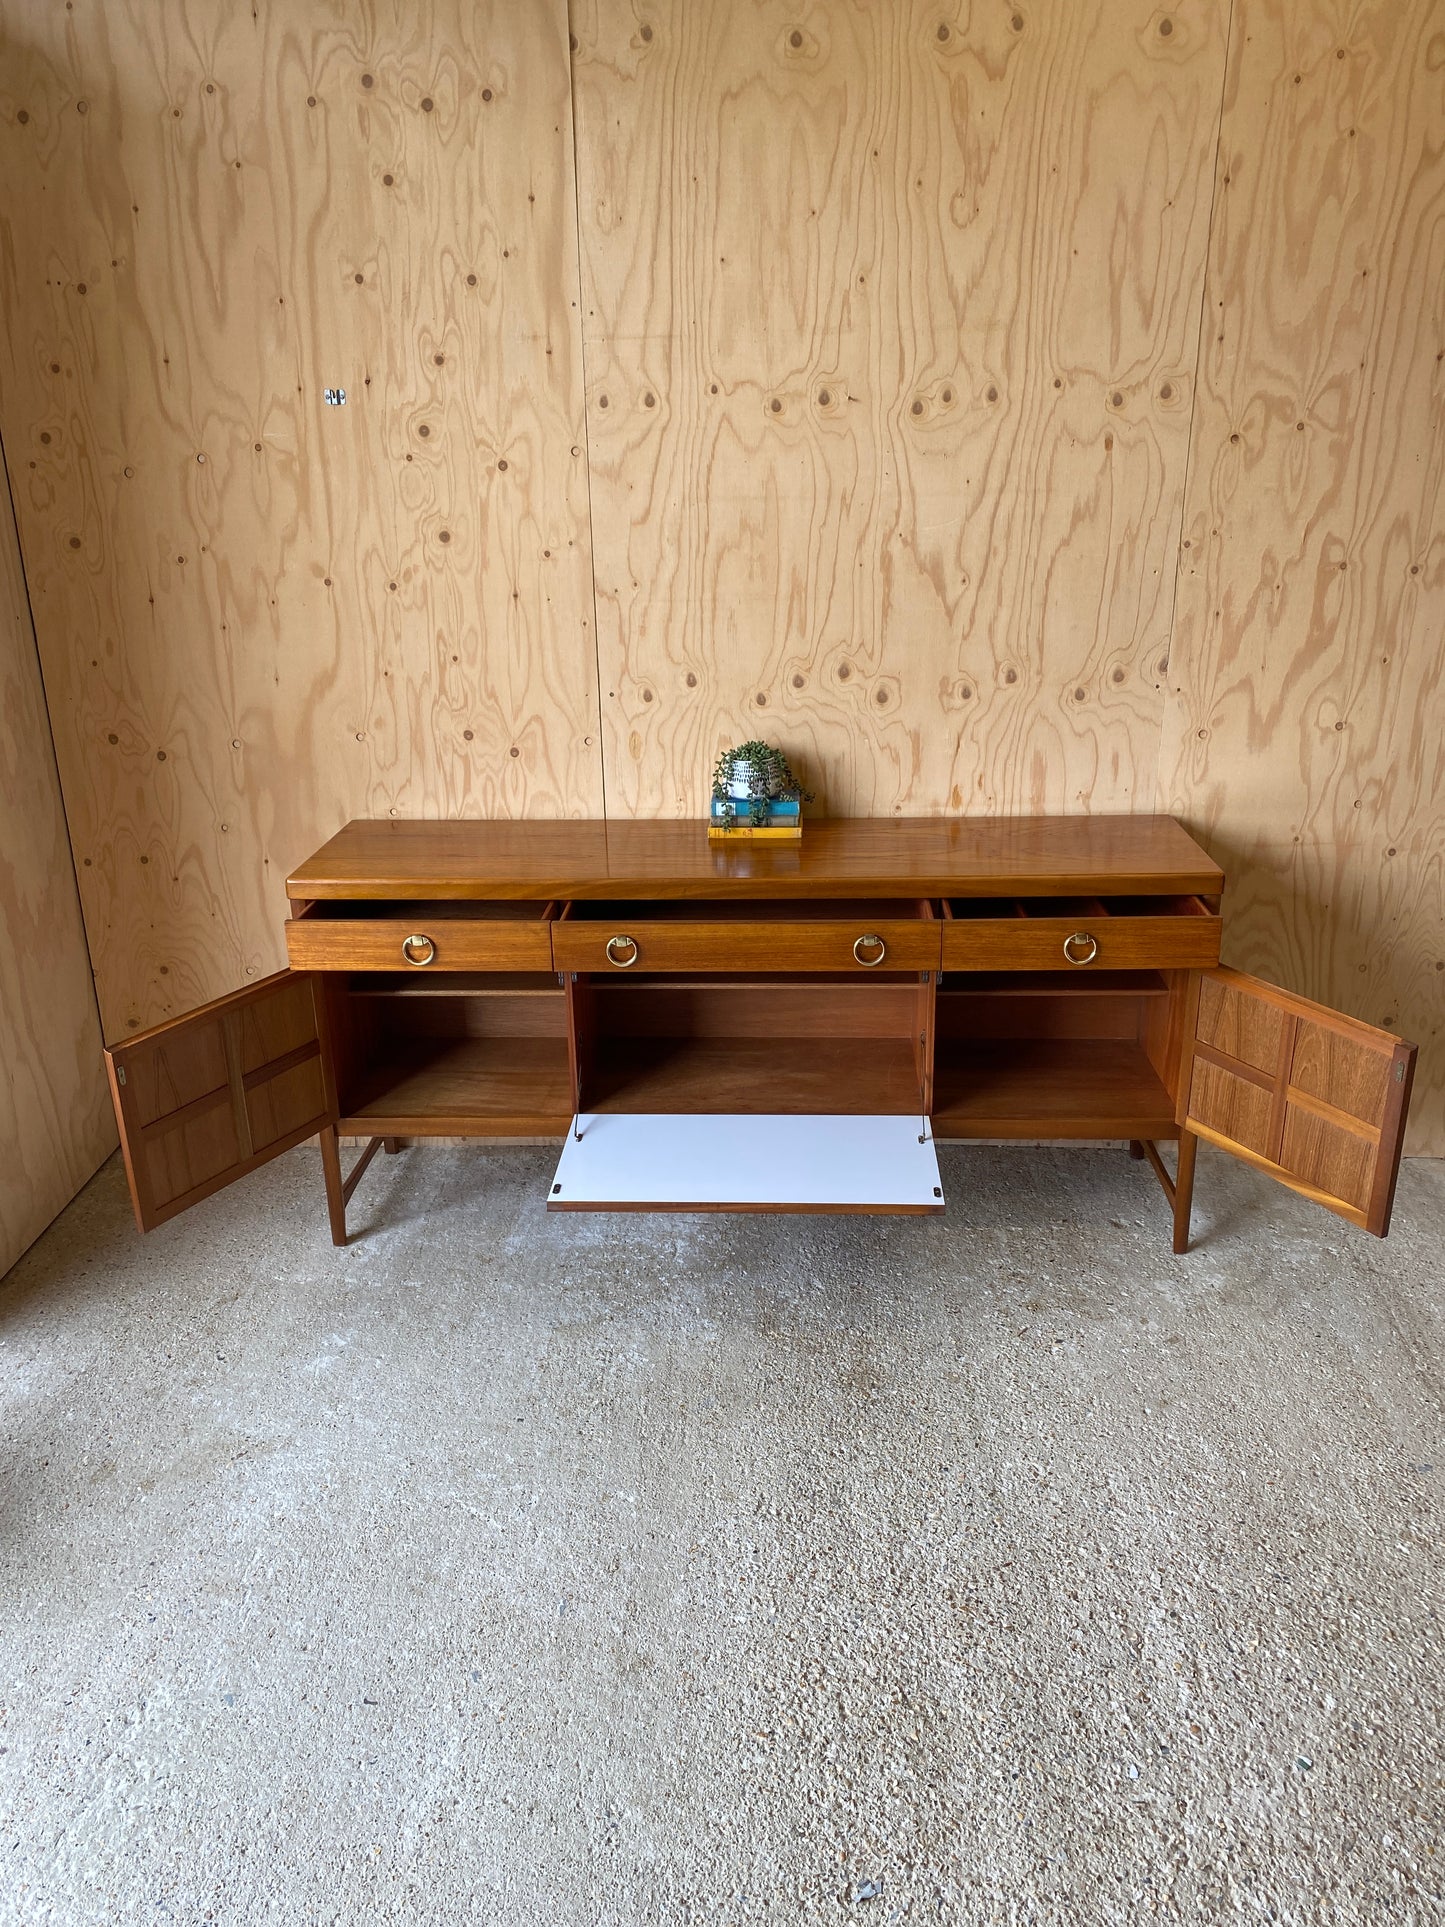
[207, 1097]
[1316, 1099]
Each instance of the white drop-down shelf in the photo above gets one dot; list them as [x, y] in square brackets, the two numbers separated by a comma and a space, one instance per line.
[743, 1161]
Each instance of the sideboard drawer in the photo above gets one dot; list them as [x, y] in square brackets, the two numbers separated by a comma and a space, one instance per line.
[721, 937]
[421, 936]
[1110, 933]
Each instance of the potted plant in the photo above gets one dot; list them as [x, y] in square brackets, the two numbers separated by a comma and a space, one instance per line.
[748, 780]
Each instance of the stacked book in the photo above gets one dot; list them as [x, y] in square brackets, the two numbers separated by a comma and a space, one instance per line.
[776, 818]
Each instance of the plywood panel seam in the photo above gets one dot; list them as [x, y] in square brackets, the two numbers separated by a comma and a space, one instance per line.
[1194, 382]
[572, 43]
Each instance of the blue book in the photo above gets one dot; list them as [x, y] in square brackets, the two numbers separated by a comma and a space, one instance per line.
[780, 810]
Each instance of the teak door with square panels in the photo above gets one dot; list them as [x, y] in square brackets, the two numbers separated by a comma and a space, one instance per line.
[205, 1098]
[1316, 1099]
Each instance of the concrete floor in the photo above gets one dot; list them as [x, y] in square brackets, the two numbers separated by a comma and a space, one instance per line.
[506, 1568]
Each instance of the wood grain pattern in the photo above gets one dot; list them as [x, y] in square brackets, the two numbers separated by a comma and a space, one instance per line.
[55, 1120]
[1337, 1070]
[890, 322]
[1333, 1160]
[1230, 1105]
[1305, 730]
[1248, 1028]
[260, 615]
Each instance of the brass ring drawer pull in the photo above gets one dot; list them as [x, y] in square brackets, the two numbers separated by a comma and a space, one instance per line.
[870, 963]
[1074, 947]
[627, 943]
[418, 949]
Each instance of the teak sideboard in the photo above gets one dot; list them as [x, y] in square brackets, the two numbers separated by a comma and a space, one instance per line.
[762, 1026]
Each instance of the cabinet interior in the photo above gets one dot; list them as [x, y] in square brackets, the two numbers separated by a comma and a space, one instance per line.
[418, 912]
[1038, 1053]
[751, 1043]
[461, 1054]
[748, 910]
[973, 909]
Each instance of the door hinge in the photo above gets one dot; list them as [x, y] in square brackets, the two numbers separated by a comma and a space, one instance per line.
[1399, 1073]
[120, 1073]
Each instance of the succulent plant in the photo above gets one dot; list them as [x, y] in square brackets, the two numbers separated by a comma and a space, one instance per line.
[761, 773]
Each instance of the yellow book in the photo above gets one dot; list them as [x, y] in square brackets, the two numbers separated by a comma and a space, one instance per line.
[793, 835]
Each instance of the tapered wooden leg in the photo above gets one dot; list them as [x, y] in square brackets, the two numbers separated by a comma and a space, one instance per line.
[1136, 1149]
[335, 1188]
[391, 1145]
[1184, 1189]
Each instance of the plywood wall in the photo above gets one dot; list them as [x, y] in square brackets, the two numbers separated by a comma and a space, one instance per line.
[260, 615]
[55, 1117]
[890, 323]
[848, 374]
[1304, 735]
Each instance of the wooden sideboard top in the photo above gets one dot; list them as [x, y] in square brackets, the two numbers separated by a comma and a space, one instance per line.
[923, 856]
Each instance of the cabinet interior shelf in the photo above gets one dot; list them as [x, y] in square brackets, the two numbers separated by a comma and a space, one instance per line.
[819, 1075]
[464, 1087]
[1049, 1087]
